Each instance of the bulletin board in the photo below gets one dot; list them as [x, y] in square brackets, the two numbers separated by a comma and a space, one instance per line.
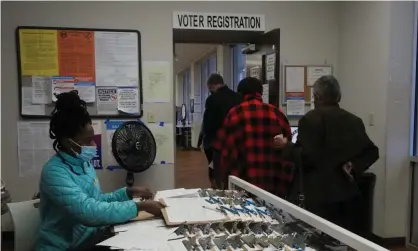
[103, 65]
[297, 85]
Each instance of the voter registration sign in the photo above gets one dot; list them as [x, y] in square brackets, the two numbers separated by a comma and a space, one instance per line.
[218, 21]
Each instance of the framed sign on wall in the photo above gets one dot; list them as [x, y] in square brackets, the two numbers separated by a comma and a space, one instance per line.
[102, 65]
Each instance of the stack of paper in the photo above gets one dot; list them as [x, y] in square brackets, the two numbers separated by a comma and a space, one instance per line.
[145, 235]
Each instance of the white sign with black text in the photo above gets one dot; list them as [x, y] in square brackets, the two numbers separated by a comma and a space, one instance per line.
[270, 66]
[218, 21]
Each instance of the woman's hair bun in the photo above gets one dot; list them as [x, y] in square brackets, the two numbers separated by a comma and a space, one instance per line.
[69, 101]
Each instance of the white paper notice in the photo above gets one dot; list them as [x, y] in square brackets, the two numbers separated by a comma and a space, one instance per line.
[265, 93]
[315, 72]
[34, 147]
[128, 100]
[61, 87]
[164, 137]
[295, 79]
[97, 127]
[116, 58]
[41, 90]
[107, 101]
[255, 72]
[156, 81]
[295, 107]
[86, 91]
[28, 108]
[270, 66]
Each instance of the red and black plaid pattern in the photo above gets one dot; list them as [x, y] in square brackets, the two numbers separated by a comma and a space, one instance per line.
[245, 142]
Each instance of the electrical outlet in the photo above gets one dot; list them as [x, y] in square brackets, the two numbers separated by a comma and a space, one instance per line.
[150, 117]
[371, 119]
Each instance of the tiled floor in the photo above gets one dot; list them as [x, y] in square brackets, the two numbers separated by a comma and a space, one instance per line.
[192, 171]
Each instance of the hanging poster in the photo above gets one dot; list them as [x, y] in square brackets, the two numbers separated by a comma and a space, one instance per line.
[76, 55]
[163, 134]
[295, 106]
[128, 100]
[270, 66]
[34, 147]
[157, 84]
[295, 103]
[117, 61]
[315, 72]
[295, 79]
[86, 90]
[27, 106]
[265, 93]
[41, 91]
[107, 100]
[36, 62]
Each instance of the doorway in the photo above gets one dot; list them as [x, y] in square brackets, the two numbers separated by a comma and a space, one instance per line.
[235, 55]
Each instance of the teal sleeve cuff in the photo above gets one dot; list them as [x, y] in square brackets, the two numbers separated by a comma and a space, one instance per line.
[125, 194]
[134, 210]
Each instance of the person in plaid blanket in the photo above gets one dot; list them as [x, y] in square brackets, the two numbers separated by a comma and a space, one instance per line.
[245, 142]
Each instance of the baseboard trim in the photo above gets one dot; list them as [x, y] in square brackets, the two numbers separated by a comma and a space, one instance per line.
[388, 242]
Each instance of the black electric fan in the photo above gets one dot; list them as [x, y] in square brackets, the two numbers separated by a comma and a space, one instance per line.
[134, 148]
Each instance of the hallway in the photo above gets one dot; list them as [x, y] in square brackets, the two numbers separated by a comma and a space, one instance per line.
[191, 169]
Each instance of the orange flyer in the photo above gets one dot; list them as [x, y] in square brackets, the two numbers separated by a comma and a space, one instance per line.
[76, 54]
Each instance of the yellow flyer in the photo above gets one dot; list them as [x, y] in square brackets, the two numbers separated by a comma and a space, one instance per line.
[38, 52]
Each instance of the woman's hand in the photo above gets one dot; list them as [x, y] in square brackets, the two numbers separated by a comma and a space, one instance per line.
[152, 207]
[279, 141]
[139, 192]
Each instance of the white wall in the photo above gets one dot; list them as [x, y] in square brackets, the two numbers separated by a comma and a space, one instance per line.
[375, 71]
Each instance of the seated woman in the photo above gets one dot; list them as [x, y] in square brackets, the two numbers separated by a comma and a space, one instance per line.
[75, 214]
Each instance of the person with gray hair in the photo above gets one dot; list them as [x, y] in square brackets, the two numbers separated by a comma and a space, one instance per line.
[333, 151]
[327, 91]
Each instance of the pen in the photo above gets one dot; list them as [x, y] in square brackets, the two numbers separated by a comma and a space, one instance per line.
[178, 238]
[205, 207]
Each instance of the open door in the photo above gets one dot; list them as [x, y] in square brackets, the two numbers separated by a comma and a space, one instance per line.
[263, 62]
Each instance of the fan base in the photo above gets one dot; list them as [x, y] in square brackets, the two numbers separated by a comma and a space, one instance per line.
[130, 179]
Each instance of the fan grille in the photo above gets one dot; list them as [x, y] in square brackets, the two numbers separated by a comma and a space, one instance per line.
[134, 146]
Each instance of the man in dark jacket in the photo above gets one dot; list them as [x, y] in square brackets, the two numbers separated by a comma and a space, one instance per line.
[217, 107]
[334, 151]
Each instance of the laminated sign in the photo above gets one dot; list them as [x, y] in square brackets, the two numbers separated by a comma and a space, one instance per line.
[218, 21]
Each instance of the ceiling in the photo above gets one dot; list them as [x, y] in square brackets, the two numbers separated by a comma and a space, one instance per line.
[187, 53]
